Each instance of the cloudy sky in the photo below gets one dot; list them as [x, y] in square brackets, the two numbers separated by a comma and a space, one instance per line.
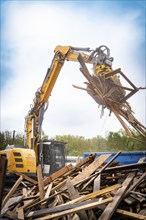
[30, 30]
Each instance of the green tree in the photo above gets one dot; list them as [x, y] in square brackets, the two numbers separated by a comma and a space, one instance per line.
[77, 145]
[120, 141]
[8, 138]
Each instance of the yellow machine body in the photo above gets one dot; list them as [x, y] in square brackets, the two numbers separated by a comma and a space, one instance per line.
[21, 160]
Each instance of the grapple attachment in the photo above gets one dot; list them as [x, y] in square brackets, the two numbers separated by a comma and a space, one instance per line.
[105, 87]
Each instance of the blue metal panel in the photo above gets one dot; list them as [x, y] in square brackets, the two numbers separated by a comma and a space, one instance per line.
[123, 158]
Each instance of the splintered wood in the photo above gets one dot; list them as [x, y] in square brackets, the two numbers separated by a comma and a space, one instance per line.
[93, 189]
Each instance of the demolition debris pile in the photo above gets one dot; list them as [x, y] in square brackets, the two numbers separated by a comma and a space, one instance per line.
[93, 189]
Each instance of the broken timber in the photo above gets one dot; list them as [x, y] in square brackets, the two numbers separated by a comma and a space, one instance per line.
[112, 95]
[93, 189]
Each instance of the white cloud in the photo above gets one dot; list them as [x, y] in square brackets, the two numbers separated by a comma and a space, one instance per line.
[33, 30]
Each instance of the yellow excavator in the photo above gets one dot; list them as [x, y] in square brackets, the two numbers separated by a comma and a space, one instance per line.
[103, 85]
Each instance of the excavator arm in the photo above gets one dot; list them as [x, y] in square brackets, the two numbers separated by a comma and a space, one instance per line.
[103, 86]
[34, 119]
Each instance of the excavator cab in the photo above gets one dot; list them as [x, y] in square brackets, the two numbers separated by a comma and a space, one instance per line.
[53, 156]
[23, 160]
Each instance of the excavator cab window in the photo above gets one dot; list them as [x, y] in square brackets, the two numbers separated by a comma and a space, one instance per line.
[53, 156]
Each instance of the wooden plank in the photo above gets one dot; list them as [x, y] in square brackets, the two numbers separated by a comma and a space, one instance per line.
[10, 203]
[137, 198]
[111, 207]
[130, 214]
[82, 198]
[59, 185]
[40, 182]
[59, 208]
[135, 184]
[11, 215]
[55, 202]
[111, 160]
[130, 201]
[88, 159]
[73, 192]
[26, 202]
[75, 210]
[101, 170]
[96, 184]
[61, 172]
[25, 177]
[21, 214]
[88, 183]
[95, 194]
[48, 191]
[3, 169]
[57, 174]
[138, 193]
[30, 203]
[83, 162]
[24, 191]
[10, 193]
[87, 171]
[125, 167]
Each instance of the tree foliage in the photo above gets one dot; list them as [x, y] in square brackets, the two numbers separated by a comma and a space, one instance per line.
[114, 141]
[76, 145]
[7, 138]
